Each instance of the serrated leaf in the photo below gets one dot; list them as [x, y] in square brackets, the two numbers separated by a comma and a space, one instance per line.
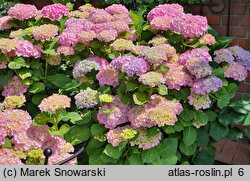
[163, 90]
[135, 159]
[18, 63]
[140, 98]
[247, 120]
[148, 156]
[114, 152]
[189, 135]
[37, 87]
[24, 73]
[77, 134]
[187, 150]
[218, 131]
[73, 117]
[97, 129]
[202, 137]
[41, 119]
[59, 80]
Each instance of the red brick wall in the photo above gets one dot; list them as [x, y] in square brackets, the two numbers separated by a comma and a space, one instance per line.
[239, 28]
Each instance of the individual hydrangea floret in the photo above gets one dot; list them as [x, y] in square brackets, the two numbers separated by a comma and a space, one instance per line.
[144, 141]
[199, 68]
[208, 39]
[45, 32]
[22, 11]
[223, 55]
[13, 102]
[242, 56]
[113, 114]
[4, 23]
[108, 76]
[206, 85]
[176, 77]
[55, 11]
[87, 98]
[152, 79]
[197, 53]
[116, 9]
[189, 26]
[14, 88]
[235, 71]
[199, 101]
[54, 102]
[27, 49]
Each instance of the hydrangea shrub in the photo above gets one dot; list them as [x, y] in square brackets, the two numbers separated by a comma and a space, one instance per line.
[138, 92]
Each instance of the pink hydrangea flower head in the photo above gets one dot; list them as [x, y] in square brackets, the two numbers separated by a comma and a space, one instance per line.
[87, 98]
[98, 28]
[85, 37]
[152, 79]
[144, 141]
[3, 134]
[235, 71]
[65, 50]
[122, 17]
[8, 45]
[206, 85]
[68, 39]
[208, 39]
[74, 22]
[168, 49]
[198, 68]
[176, 77]
[120, 26]
[199, 101]
[138, 117]
[14, 88]
[223, 55]
[197, 53]
[113, 114]
[38, 133]
[56, 143]
[172, 10]
[100, 16]
[189, 26]
[22, 11]
[161, 23]
[116, 9]
[108, 76]
[115, 137]
[4, 23]
[154, 55]
[107, 35]
[103, 63]
[27, 49]
[7, 157]
[45, 32]
[54, 103]
[120, 45]
[55, 11]
[131, 34]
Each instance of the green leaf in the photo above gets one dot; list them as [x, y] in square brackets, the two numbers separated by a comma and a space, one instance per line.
[114, 152]
[140, 98]
[189, 135]
[86, 117]
[187, 150]
[211, 115]
[93, 145]
[37, 87]
[73, 117]
[104, 90]
[24, 73]
[153, 131]
[163, 90]
[7, 143]
[148, 156]
[163, 68]
[95, 159]
[37, 98]
[235, 134]
[5, 78]
[201, 118]
[187, 115]
[231, 117]
[241, 106]
[28, 81]
[50, 52]
[218, 72]
[202, 137]
[203, 158]
[247, 121]
[131, 86]
[42, 119]
[79, 47]
[218, 131]
[18, 63]
[178, 127]
[77, 134]
[225, 95]
[135, 159]
[169, 160]
[59, 80]
[181, 94]
[61, 132]
[97, 129]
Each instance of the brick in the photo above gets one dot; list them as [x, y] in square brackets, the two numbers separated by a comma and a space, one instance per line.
[237, 31]
[245, 20]
[235, 41]
[222, 30]
[238, 10]
[213, 20]
[234, 20]
[248, 78]
[242, 155]
[244, 87]
[244, 43]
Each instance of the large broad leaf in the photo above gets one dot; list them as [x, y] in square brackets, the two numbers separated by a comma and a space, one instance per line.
[189, 135]
[24, 73]
[72, 116]
[93, 145]
[5, 78]
[114, 152]
[95, 157]
[178, 127]
[140, 98]
[247, 121]
[163, 90]
[241, 106]
[218, 131]
[135, 159]
[148, 156]
[187, 115]
[77, 134]
[59, 80]
[18, 63]
[97, 129]
[231, 117]
[169, 160]
[37, 87]
[202, 137]
[187, 150]
[86, 117]
[225, 95]
[203, 158]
